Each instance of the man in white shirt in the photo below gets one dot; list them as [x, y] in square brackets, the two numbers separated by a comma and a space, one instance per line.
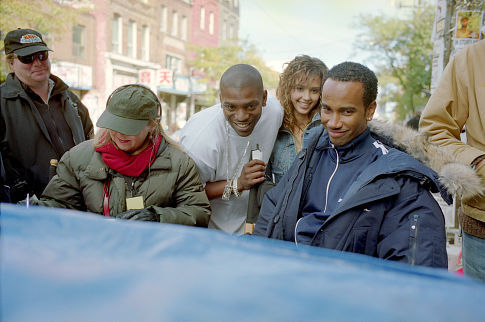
[220, 140]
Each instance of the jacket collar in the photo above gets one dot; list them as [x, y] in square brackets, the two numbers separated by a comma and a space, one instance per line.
[98, 170]
[350, 151]
[13, 87]
[16, 88]
[163, 160]
[313, 123]
[392, 163]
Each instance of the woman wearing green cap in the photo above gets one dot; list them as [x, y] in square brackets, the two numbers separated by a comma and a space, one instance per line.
[131, 170]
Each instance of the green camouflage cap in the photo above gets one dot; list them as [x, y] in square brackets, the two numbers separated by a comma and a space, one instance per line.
[129, 109]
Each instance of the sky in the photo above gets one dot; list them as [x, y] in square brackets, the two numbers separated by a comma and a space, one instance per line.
[283, 29]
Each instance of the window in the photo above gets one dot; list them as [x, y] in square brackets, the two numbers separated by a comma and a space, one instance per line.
[202, 18]
[173, 63]
[145, 43]
[132, 39]
[163, 19]
[211, 23]
[231, 32]
[224, 30]
[175, 24]
[116, 34]
[183, 30]
[236, 3]
[78, 41]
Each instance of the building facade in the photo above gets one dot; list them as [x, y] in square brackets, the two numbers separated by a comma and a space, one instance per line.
[117, 42]
[229, 20]
[205, 23]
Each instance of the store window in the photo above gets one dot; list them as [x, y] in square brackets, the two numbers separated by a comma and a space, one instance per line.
[173, 63]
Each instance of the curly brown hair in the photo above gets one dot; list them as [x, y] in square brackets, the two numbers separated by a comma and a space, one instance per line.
[301, 68]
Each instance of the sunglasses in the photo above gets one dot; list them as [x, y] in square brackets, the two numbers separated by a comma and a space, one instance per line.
[41, 55]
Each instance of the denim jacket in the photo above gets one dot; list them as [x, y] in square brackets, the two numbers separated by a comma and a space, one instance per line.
[284, 151]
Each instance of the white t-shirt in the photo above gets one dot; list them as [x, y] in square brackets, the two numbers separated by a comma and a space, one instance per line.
[204, 139]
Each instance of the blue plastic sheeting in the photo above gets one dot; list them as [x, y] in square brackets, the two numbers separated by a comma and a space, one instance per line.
[60, 265]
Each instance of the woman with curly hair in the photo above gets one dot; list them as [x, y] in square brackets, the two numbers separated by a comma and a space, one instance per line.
[299, 93]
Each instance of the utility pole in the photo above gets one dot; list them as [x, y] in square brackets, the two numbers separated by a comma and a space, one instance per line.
[448, 34]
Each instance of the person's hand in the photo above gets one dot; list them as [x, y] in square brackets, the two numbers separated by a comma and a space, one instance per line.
[138, 214]
[251, 174]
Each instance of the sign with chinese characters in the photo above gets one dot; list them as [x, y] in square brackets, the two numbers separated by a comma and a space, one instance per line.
[146, 77]
[164, 78]
[155, 78]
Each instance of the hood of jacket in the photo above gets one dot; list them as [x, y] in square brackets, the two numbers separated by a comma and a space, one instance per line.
[455, 176]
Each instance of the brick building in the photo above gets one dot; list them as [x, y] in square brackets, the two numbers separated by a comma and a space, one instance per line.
[116, 42]
[229, 20]
[205, 23]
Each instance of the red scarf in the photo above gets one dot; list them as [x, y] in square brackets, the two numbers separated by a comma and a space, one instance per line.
[129, 165]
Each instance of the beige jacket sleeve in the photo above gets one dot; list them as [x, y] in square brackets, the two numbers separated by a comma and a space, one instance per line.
[458, 101]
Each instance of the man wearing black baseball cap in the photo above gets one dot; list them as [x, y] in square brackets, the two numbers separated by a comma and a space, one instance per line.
[40, 118]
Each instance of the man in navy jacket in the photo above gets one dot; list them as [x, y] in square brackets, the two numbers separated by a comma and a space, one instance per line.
[347, 191]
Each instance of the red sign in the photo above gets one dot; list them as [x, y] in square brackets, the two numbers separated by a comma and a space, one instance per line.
[165, 78]
[145, 76]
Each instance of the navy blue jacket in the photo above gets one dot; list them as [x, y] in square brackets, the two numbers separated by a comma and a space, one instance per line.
[388, 211]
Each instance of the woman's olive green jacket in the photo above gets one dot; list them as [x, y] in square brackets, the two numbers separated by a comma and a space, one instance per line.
[171, 188]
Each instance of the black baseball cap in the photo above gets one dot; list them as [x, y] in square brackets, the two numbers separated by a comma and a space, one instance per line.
[24, 42]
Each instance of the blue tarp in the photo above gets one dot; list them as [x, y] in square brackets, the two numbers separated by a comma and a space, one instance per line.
[60, 265]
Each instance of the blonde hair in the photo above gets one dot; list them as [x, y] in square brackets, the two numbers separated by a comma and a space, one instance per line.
[300, 68]
[9, 59]
[102, 136]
